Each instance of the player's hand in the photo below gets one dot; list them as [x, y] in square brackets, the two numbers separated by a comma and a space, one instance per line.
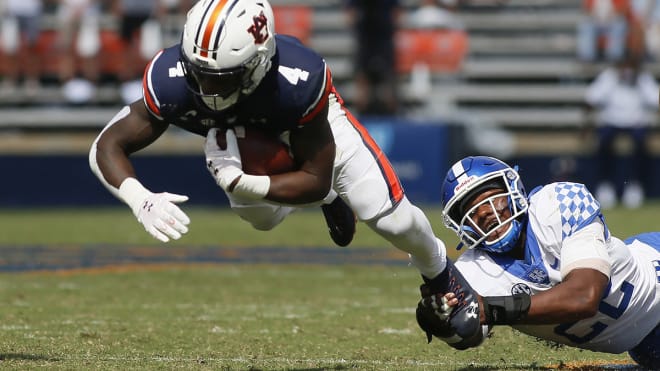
[450, 310]
[161, 217]
[434, 317]
[224, 164]
[442, 306]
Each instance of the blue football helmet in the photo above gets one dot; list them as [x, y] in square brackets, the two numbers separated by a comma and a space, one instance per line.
[470, 177]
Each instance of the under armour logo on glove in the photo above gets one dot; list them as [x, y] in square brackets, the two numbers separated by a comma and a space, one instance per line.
[147, 205]
[162, 218]
[211, 168]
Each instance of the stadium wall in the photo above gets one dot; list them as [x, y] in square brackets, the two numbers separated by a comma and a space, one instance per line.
[421, 152]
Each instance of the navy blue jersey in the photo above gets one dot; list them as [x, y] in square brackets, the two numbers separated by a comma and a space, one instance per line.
[293, 91]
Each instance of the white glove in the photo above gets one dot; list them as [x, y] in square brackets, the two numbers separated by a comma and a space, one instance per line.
[225, 167]
[161, 217]
[156, 211]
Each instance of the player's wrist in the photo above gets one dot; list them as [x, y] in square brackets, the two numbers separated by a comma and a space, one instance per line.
[506, 310]
[133, 193]
[226, 176]
[252, 186]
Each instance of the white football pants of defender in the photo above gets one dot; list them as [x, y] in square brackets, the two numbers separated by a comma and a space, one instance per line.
[358, 179]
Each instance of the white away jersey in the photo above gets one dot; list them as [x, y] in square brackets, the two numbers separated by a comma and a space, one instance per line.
[631, 306]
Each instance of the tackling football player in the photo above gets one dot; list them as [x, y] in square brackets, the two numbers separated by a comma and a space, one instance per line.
[547, 265]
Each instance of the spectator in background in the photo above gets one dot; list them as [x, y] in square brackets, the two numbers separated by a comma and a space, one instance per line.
[20, 33]
[647, 13]
[626, 99]
[603, 20]
[79, 43]
[432, 14]
[374, 24]
[140, 31]
[175, 11]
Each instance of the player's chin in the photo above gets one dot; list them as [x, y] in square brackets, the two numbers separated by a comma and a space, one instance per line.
[499, 232]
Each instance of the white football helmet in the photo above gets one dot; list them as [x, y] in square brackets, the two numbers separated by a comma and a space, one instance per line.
[226, 49]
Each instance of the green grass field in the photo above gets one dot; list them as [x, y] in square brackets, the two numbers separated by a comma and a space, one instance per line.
[239, 316]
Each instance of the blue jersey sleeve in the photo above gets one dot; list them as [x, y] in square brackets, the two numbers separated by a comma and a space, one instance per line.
[163, 84]
[304, 81]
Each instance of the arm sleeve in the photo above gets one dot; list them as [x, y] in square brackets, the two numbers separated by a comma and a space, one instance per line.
[586, 248]
[93, 164]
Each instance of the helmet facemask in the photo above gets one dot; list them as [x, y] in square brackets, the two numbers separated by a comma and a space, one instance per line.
[221, 89]
[503, 229]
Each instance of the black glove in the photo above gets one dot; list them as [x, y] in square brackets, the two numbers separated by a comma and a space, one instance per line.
[460, 327]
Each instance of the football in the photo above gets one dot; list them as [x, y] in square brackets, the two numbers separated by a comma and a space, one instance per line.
[262, 152]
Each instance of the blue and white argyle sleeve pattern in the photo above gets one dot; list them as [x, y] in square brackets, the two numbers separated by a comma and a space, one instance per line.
[577, 207]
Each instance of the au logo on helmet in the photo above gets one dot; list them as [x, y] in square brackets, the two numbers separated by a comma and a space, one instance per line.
[259, 29]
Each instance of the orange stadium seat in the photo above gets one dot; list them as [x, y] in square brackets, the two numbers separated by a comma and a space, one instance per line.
[112, 52]
[295, 20]
[440, 50]
[48, 54]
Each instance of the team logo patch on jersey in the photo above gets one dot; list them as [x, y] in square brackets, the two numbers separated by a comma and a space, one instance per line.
[537, 275]
[656, 264]
[521, 288]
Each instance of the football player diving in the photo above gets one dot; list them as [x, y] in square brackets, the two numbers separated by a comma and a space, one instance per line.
[231, 69]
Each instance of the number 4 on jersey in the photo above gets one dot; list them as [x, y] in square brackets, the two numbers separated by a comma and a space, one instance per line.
[293, 75]
[176, 71]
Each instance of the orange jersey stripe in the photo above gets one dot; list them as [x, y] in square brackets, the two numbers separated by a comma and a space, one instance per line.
[394, 185]
[148, 99]
[206, 40]
[322, 101]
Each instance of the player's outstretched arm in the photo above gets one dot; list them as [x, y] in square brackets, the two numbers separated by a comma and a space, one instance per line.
[129, 131]
[577, 298]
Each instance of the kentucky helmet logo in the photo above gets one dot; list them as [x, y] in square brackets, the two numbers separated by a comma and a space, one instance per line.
[259, 29]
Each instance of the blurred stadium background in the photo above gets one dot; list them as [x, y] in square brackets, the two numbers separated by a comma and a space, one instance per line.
[509, 85]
